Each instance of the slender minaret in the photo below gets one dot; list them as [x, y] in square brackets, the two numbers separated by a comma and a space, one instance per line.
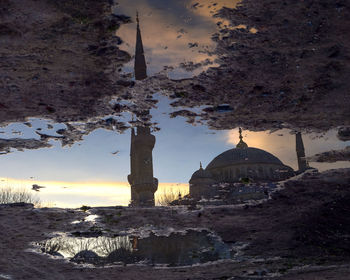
[302, 163]
[143, 184]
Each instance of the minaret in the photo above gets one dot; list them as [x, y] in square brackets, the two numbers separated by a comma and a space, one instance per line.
[302, 163]
[143, 184]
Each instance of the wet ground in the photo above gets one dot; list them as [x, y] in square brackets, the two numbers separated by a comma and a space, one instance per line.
[69, 100]
[300, 233]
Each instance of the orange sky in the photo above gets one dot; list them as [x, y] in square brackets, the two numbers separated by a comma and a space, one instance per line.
[281, 143]
[76, 194]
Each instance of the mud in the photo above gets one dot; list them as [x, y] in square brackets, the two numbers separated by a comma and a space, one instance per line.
[21, 144]
[59, 60]
[332, 156]
[290, 73]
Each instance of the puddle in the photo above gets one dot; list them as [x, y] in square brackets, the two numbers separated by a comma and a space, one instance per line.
[101, 162]
[88, 219]
[88, 173]
[176, 249]
[159, 115]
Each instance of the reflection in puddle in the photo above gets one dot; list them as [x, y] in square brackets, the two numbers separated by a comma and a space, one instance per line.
[177, 249]
[5, 276]
[90, 175]
[114, 145]
[177, 34]
[94, 172]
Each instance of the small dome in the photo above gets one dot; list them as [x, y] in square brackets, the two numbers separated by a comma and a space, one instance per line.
[243, 156]
[201, 174]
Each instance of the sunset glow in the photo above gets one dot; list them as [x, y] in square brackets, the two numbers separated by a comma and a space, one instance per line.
[76, 194]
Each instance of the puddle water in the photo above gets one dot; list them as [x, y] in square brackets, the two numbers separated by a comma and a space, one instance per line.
[88, 173]
[115, 107]
[177, 249]
[118, 162]
[94, 171]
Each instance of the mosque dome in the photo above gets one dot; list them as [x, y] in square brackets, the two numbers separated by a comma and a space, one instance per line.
[243, 156]
[242, 162]
[237, 165]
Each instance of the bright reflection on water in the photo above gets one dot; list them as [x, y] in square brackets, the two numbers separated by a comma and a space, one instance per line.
[177, 249]
[173, 32]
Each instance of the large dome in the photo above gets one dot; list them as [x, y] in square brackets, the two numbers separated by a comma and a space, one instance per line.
[243, 156]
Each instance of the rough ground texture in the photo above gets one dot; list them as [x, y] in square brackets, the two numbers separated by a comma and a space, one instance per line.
[59, 59]
[332, 156]
[306, 225]
[292, 72]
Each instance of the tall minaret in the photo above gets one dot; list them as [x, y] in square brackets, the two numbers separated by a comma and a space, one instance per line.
[143, 184]
[302, 163]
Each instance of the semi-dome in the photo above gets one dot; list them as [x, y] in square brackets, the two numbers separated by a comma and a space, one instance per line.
[201, 183]
[243, 156]
[201, 174]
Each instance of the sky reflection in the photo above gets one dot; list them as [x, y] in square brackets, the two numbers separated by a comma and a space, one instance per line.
[88, 172]
[94, 171]
[76, 194]
[173, 32]
[179, 148]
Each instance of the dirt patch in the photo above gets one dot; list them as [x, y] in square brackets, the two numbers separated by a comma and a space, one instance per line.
[332, 156]
[20, 144]
[59, 59]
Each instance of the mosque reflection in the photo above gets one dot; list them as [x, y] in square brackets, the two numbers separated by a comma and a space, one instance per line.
[232, 170]
[176, 249]
[244, 164]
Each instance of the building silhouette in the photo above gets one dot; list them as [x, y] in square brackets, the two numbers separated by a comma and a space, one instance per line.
[143, 184]
[302, 163]
[244, 163]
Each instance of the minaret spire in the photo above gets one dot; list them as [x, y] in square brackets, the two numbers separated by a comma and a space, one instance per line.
[140, 67]
[302, 163]
[240, 134]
